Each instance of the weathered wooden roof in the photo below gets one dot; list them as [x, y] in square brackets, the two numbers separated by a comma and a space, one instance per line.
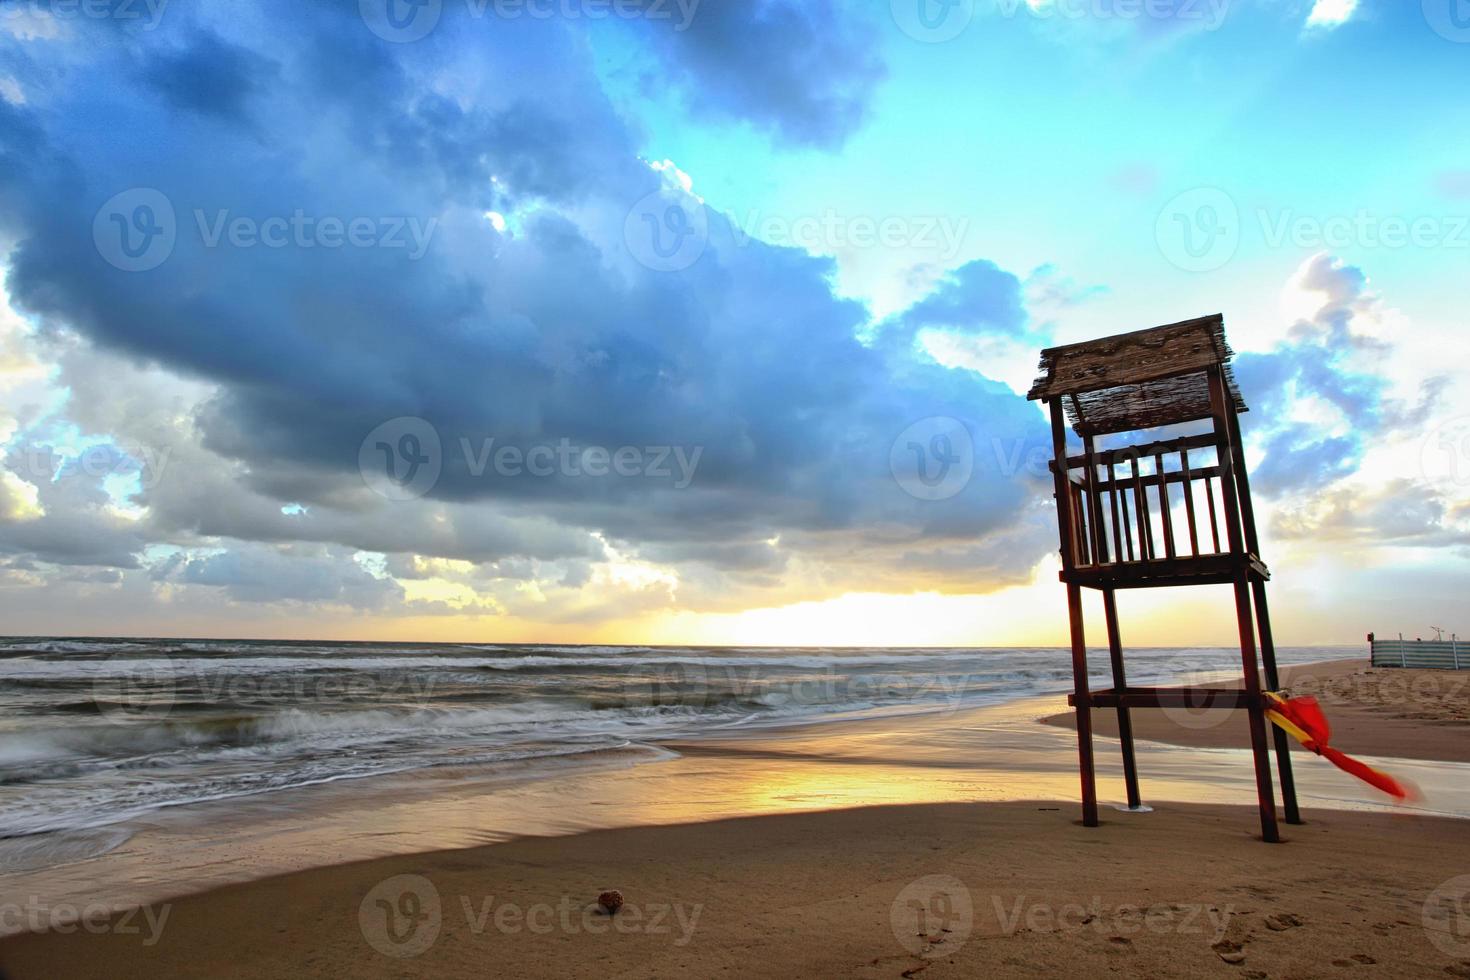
[1138, 380]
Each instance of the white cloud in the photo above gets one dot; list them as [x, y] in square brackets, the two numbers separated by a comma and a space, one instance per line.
[31, 23]
[1331, 13]
[674, 177]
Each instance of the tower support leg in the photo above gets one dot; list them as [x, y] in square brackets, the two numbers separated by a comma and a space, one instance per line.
[1083, 698]
[1120, 684]
[1273, 682]
[1264, 792]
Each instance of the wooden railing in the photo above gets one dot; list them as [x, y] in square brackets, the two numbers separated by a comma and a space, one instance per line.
[1152, 502]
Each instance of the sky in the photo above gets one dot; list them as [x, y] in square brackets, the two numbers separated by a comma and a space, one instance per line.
[618, 321]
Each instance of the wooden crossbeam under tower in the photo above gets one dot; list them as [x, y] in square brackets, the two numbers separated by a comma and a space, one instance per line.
[1168, 396]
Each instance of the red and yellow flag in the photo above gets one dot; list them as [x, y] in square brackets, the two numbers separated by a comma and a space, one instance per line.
[1303, 720]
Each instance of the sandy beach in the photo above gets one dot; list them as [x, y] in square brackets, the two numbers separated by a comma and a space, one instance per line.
[1011, 889]
[961, 874]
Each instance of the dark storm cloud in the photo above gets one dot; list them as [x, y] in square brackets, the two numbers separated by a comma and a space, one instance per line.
[208, 76]
[803, 70]
[979, 297]
[1299, 457]
[262, 575]
[550, 330]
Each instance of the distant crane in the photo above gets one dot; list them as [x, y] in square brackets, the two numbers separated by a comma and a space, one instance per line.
[1438, 633]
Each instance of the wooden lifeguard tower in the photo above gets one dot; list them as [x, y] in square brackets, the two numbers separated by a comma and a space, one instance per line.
[1168, 395]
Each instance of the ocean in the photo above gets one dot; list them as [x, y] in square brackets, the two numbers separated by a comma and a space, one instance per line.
[95, 732]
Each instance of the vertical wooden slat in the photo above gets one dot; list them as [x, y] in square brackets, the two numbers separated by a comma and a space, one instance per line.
[1084, 551]
[1214, 523]
[1140, 507]
[1166, 519]
[1099, 539]
[1113, 499]
[1189, 502]
[1127, 523]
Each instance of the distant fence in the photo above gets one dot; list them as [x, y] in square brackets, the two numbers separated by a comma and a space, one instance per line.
[1444, 654]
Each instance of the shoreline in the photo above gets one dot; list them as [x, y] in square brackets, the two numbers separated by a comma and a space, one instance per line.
[1013, 889]
[995, 753]
[986, 757]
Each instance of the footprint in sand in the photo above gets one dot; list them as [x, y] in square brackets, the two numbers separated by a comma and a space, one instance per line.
[1229, 952]
[1282, 921]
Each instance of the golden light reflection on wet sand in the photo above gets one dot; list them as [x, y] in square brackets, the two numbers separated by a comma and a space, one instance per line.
[982, 755]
